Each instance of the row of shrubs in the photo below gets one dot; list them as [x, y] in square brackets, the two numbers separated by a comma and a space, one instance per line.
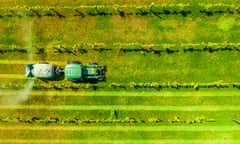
[69, 120]
[11, 86]
[183, 9]
[175, 85]
[83, 48]
[47, 86]
[63, 86]
[49, 120]
[199, 119]
[115, 85]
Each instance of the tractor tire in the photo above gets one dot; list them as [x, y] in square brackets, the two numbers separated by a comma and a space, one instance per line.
[105, 68]
[74, 62]
[93, 63]
[43, 63]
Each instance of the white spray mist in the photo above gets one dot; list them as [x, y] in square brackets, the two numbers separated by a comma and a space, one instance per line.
[28, 38]
[23, 94]
[19, 97]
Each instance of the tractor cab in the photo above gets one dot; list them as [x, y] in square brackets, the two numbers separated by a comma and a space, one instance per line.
[76, 71]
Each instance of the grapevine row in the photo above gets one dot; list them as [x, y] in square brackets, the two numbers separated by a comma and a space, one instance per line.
[183, 9]
[62, 86]
[157, 49]
[28, 119]
[176, 85]
[130, 85]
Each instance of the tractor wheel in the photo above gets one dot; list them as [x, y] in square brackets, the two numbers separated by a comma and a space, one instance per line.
[105, 68]
[93, 63]
[104, 79]
[74, 62]
[43, 63]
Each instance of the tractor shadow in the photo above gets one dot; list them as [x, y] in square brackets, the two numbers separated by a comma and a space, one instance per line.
[93, 81]
[59, 77]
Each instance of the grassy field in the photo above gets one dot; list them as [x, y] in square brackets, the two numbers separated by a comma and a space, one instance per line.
[190, 52]
[190, 67]
[111, 29]
[103, 2]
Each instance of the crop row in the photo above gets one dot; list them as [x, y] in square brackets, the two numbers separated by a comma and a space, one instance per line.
[83, 48]
[130, 85]
[176, 85]
[61, 86]
[27, 119]
[183, 9]
[199, 119]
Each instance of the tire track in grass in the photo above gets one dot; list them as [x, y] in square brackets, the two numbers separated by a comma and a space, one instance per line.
[131, 94]
[122, 107]
[130, 100]
[126, 141]
[23, 62]
[124, 128]
[13, 76]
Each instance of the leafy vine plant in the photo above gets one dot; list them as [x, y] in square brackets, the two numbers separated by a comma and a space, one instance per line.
[126, 47]
[180, 9]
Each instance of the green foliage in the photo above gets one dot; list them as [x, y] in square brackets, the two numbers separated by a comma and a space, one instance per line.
[112, 119]
[169, 61]
[84, 48]
[130, 85]
[176, 85]
[197, 120]
[159, 10]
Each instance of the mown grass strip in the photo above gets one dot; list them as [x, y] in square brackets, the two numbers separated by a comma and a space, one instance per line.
[123, 128]
[220, 93]
[12, 62]
[12, 76]
[124, 107]
[124, 141]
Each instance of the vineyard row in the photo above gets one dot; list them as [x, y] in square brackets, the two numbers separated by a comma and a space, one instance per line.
[131, 85]
[121, 10]
[176, 119]
[83, 48]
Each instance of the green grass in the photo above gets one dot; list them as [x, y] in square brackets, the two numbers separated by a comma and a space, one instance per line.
[180, 67]
[111, 29]
[8, 39]
[222, 117]
[125, 107]
[103, 2]
[126, 128]
[127, 141]
[137, 100]
[130, 136]
[117, 93]
[199, 67]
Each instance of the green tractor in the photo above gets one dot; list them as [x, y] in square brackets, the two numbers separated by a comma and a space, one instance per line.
[77, 72]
